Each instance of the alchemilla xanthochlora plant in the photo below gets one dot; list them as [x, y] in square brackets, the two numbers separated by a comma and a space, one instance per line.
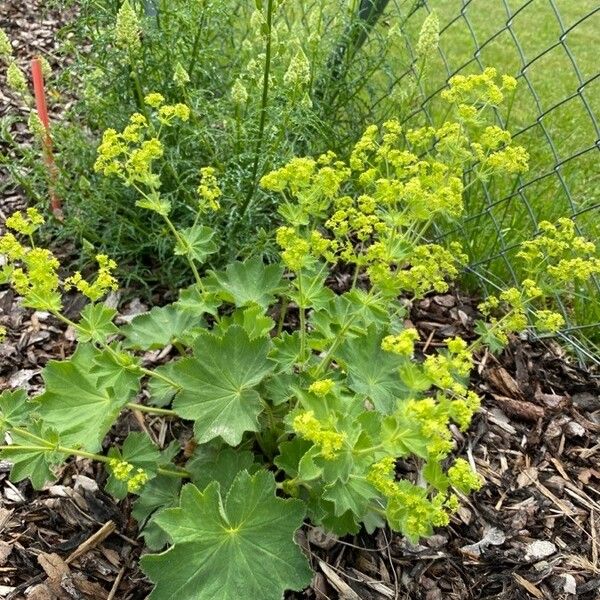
[301, 399]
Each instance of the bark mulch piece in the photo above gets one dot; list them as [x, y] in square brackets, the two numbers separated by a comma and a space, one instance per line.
[533, 531]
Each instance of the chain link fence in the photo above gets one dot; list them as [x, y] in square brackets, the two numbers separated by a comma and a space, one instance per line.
[551, 47]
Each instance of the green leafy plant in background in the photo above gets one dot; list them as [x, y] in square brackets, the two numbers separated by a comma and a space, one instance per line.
[289, 422]
[264, 81]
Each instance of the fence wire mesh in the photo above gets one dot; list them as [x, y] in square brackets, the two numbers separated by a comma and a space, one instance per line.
[551, 47]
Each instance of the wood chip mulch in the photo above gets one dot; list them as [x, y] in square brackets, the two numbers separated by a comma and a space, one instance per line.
[32, 26]
[533, 531]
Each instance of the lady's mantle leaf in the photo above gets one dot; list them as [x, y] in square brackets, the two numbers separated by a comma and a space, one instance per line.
[218, 384]
[77, 405]
[159, 327]
[96, 323]
[233, 548]
[249, 282]
[33, 459]
[14, 409]
[213, 463]
[159, 493]
[197, 242]
[372, 371]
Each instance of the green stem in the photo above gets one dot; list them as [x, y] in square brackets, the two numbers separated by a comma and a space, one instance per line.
[92, 456]
[302, 313]
[195, 48]
[263, 112]
[156, 375]
[187, 254]
[138, 91]
[174, 473]
[154, 410]
[336, 342]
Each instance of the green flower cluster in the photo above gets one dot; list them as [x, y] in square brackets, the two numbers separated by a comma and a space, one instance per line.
[33, 272]
[373, 211]
[209, 190]
[135, 479]
[556, 261]
[566, 257]
[104, 282]
[408, 507]
[131, 153]
[402, 343]
[127, 29]
[329, 441]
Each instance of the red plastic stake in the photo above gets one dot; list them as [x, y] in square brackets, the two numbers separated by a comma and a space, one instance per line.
[42, 111]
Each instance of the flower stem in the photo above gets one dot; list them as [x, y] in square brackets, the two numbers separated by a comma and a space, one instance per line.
[154, 410]
[263, 111]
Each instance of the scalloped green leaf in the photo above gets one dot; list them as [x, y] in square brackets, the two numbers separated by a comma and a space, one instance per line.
[287, 350]
[372, 371]
[222, 465]
[197, 242]
[218, 384]
[310, 291]
[32, 458]
[234, 547]
[249, 282]
[96, 323]
[160, 493]
[14, 409]
[159, 327]
[197, 301]
[252, 319]
[353, 495]
[77, 405]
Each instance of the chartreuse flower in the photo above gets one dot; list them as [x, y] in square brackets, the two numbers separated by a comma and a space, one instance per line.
[33, 272]
[239, 93]
[372, 212]
[127, 28]
[483, 88]
[329, 441]
[408, 507]
[209, 190]
[131, 154]
[154, 99]
[322, 387]
[180, 76]
[125, 472]
[25, 224]
[15, 79]
[2, 333]
[37, 280]
[104, 282]
[298, 72]
[558, 259]
[463, 478]
[403, 343]
[429, 36]
[35, 126]
[12, 248]
[6, 50]
[566, 257]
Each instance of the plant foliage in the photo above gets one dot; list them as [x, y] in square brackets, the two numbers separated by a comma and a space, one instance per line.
[293, 421]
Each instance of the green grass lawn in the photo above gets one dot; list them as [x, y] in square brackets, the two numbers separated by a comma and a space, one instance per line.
[553, 45]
